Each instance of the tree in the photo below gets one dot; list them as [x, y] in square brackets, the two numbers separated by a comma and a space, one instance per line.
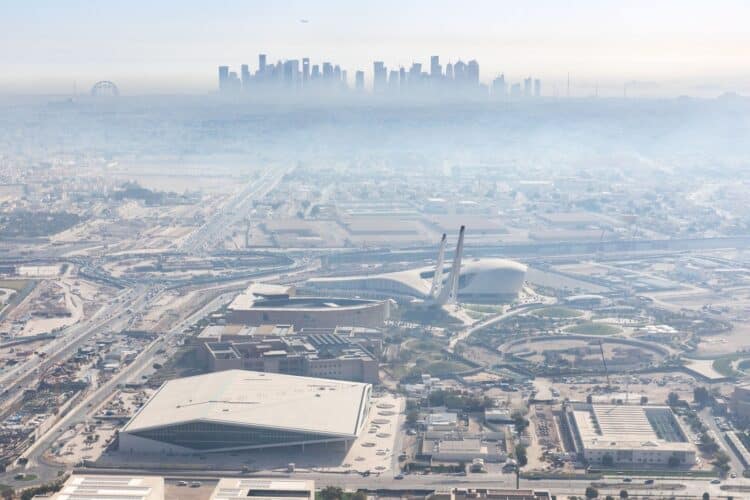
[674, 461]
[609, 497]
[331, 493]
[644, 400]
[673, 399]
[701, 396]
[412, 416]
[623, 493]
[591, 492]
[521, 455]
[607, 460]
[721, 460]
[706, 496]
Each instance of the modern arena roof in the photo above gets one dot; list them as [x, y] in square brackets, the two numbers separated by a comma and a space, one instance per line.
[265, 400]
[496, 276]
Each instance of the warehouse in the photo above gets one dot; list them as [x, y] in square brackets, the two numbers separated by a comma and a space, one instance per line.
[628, 435]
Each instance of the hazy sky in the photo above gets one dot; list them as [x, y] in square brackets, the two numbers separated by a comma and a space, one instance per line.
[667, 46]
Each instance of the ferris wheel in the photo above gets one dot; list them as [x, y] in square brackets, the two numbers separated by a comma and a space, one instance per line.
[105, 88]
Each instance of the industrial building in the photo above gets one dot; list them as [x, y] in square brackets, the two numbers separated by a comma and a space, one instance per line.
[264, 489]
[341, 353]
[272, 304]
[487, 280]
[628, 435]
[80, 487]
[240, 410]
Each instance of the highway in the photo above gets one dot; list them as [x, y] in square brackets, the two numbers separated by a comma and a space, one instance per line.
[234, 210]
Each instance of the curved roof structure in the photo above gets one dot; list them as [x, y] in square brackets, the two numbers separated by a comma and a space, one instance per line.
[485, 276]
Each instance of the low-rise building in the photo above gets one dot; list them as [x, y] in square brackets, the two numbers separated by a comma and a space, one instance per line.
[264, 489]
[628, 435]
[111, 488]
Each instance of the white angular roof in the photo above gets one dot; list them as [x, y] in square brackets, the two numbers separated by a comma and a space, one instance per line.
[248, 398]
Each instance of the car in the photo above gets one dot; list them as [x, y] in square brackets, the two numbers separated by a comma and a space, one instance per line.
[648, 481]
[181, 483]
[715, 481]
[399, 477]
[196, 484]
[627, 480]
[733, 475]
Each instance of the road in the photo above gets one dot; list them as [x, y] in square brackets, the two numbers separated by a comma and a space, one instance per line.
[734, 461]
[232, 212]
[662, 487]
[466, 333]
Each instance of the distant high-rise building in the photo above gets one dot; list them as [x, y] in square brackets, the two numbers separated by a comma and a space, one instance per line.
[472, 72]
[327, 71]
[245, 72]
[527, 87]
[537, 88]
[435, 70]
[449, 71]
[459, 72]
[402, 76]
[344, 79]
[379, 75]
[393, 81]
[223, 78]
[499, 87]
[359, 81]
[315, 74]
[305, 70]
[515, 90]
[291, 70]
[261, 64]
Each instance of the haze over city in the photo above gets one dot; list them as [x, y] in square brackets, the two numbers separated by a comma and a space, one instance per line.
[374, 251]
[664, 49]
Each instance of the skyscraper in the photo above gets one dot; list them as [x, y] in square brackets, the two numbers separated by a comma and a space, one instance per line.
[261, 64]
[223, 78]
[435, 70]
[305, 70]
[449, 71]
[359, 81]
[499, 88]
[379, 75]
[245, 72]
[537, 88]
[527, 87]
[472, 72]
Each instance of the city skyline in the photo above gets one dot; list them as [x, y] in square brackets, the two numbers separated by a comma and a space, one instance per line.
[669, 49]
[454, 79]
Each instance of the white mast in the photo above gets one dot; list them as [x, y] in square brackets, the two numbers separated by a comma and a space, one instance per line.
[449, 292]
[437, 278]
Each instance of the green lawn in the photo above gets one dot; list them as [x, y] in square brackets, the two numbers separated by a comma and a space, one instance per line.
[483, 308]
[445, 368]
[557, 312]
[591, 328]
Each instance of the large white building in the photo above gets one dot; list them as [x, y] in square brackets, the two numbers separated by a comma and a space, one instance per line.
[480, 280]
[96, 487]
[240, 410]
[264, 489]
[629, 435]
